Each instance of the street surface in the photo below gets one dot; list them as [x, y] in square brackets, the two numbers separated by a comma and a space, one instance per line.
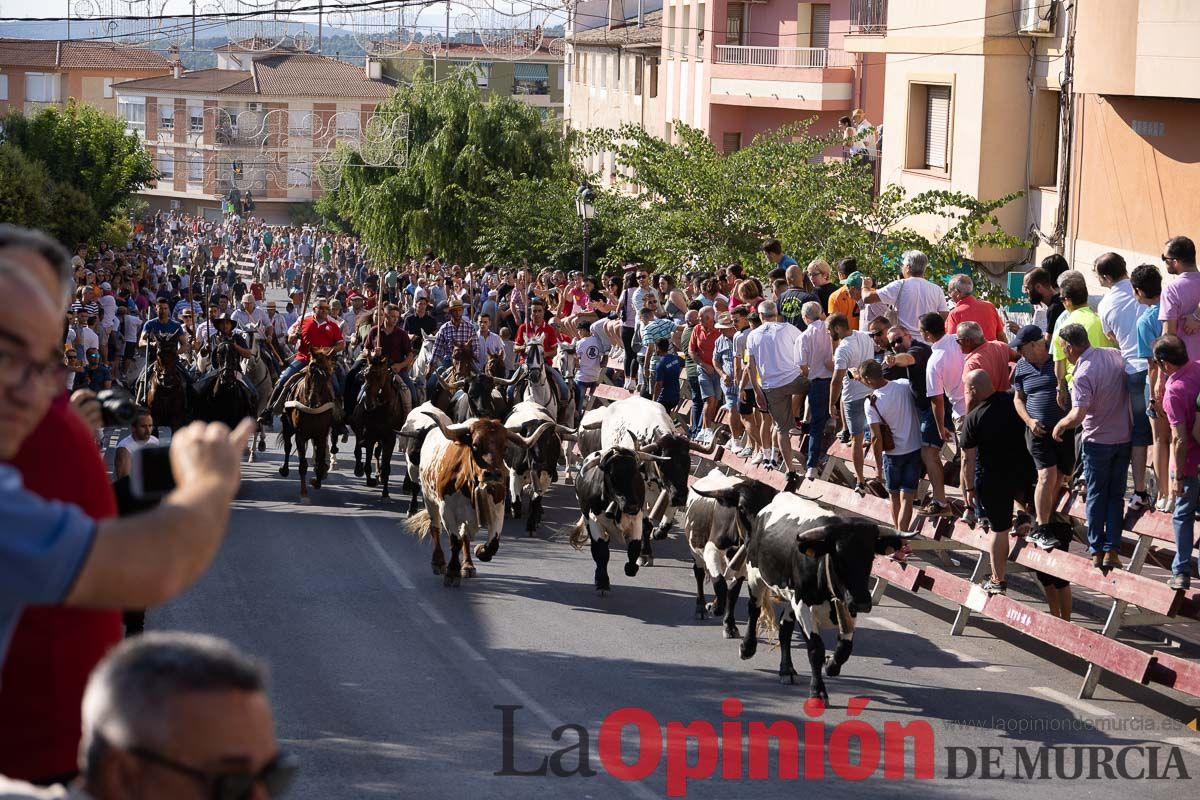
[386, 684]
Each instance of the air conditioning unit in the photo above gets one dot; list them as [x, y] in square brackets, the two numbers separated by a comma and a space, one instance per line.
[254, 106]
[1037, 17]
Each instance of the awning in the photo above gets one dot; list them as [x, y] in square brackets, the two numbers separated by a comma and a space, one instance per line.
[531, 72]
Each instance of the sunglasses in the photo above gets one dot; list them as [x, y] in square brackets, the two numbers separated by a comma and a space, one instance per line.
[877, 334]
[1167, 258]
[275, 777]
[896, 342]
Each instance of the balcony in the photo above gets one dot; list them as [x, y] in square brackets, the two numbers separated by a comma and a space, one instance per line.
[868, 17]
[804, 57]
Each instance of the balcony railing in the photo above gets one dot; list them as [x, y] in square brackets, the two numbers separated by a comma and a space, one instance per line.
[754, 56]
[868, 16]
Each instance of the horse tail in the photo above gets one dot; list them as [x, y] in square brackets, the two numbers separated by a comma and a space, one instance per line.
[419, 524]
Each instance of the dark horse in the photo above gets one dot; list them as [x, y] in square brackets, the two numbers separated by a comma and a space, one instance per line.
[166, 389]
[375, 420]
[224, 398]
[308, 417]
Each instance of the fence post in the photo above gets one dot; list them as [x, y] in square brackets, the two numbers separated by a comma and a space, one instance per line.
[1116, 615]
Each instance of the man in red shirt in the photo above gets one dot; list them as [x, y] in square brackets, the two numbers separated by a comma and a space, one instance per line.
[258, 290]
[969, 308]
[994, 358]
[537, 326]
[700, 348]
[311, 332]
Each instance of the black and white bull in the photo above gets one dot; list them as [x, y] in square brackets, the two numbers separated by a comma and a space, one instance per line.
[481, 395]
[532, 470]
[819, 565]
[612, 496]
[464, 480]
[653, 433]
[716, 541]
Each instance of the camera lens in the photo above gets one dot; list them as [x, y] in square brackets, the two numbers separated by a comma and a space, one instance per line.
[117, 407]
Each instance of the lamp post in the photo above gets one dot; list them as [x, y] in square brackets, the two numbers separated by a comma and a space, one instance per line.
[585, 207]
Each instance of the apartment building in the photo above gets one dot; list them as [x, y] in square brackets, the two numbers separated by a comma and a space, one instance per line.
[1088, 108]
[261, 123]
[535, 77]
[40, 72]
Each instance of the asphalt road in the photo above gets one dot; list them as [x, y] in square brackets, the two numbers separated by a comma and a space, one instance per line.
[387, 684]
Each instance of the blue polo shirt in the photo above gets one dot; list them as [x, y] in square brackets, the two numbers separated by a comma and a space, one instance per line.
[44, 545]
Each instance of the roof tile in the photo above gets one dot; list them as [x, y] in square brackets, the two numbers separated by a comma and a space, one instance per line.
[67, 54]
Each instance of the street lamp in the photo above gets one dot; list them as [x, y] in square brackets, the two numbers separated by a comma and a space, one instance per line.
[585, 207]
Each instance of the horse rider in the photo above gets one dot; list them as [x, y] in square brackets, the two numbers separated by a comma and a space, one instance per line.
[162, 324]
[225, 348]
[250, 312]
[390, 341]
[455, 331]
[536, 326]
[310, 333]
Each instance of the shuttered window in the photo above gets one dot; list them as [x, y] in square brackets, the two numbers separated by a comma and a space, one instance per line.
[937, 126]
[820, 25]
[731, 142]
[734, 14]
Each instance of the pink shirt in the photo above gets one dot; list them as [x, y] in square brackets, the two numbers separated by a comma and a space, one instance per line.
[1100, 386]
[1179, 401]
[994, 359]
[1179, 299]
[972, 309]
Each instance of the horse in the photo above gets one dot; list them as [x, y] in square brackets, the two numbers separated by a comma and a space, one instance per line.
[539, 388]
[308, 417]
[374, 422]
[420, 365]
[260, 376]
[166, 392]
[224, 399]
[495, 365]
[462, 370]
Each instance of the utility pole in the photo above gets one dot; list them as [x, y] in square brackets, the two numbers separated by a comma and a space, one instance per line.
[447, 28]
[193, 26]
[320, 25]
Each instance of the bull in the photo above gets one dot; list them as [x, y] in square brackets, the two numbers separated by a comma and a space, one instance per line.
[533, 469]
[463, 481]
[612, 496]
[653, 433]
[717, 545]
[819, 565]
[477, 396]
[418, 423]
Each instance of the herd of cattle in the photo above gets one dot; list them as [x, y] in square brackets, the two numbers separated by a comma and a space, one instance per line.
[474, 470]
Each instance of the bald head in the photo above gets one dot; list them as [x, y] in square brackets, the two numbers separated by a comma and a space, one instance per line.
[979, 385]
[29, 335]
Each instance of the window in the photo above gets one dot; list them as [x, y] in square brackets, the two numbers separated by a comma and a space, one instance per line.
[166, 164]
[637, 75]
[133, 111]
[41, 87]
[696, 32]
[298, 175]
[671, 30]
[735, 13]
[653, 78]
[300, 124]
[347, 123]
[3, 87]
[195, 167]
[196, 119]
[820, 26]
[731, 141]
[928, 145]
[1043, 167]
[531, 79]
[482, 71]
[108, 93]
[166, 114]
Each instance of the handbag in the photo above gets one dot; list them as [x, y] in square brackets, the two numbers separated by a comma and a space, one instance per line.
[893, 312]
[885, 431]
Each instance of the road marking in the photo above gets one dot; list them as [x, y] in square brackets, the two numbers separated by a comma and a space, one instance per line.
[886, 624]
[474, 654]
[392, 567]
[1188, 743]
[1067, 700]
[974, 662]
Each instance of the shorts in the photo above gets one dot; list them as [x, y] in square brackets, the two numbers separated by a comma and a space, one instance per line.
[1064, 534]
[1048, 453]
[996, 501]
[902, 472]
[779, 402]
[1143, 436]
[710, 384]
[855, 414]
[929, 429]
[130, 350]
[747, 404]
[731, 396]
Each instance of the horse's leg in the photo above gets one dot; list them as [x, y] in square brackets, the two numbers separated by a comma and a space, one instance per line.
[331, 451]
[358, 448]
[368, 466]
[320, 460]
[257, 429]
[286, 435]
[387, 448]
[302, 457]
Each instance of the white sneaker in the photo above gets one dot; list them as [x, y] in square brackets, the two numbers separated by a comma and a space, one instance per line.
[706, 435]
[757, 457]
[734, 444]
[810, 474]
[746, 451]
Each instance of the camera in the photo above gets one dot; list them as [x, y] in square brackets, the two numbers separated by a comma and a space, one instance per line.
[117, 406]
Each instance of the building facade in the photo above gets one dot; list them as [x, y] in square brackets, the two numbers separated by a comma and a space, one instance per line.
[42, 72]
[262, 123]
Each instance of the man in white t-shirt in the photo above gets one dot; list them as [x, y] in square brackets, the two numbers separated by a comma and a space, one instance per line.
[944, 374]
[775, 373]
[912, 295]
[892, 403]
[847, 396]
[139, 437]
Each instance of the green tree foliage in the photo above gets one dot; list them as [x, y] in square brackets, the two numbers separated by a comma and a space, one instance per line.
[462, 154]
[23, 189]
[83, 147]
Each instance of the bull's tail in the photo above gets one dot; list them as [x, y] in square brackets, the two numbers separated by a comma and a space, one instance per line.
[419, 524]
[579, 534]
[768, 618]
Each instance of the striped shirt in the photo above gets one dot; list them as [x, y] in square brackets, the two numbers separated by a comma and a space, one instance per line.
[449, 335]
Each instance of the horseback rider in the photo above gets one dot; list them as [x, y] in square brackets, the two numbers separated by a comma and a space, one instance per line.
[161, 325]
[456, 331]
[537, 326]
[225, 349]
[389, 341]
[309, 333]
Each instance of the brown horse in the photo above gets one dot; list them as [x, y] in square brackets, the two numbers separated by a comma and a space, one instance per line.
[374, 422]
[166, 390]
[308, 417]
[495, 365]
[462, 369]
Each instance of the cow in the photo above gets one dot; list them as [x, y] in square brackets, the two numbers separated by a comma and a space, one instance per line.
[477, 396]
[587, 437]
[463, 481]
[612, 496]
[653, 433]
[534, 468]
[416, 426]
[819, 565]
[716, 541]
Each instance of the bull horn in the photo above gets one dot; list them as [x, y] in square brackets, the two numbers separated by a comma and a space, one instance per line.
[591, 426]
[520, 441]
[643, 456]
[812, 536]
[565, 432]
[505, 381]
[454, 433]
[703, 449]
[886, 531]
[736, 562]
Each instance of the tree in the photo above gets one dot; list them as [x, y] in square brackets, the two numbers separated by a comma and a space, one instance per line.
[23, 189]
[82, 147]
[462, 152]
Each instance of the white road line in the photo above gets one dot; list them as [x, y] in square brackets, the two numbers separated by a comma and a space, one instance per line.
[471, 652]
[974, 662]
[886, 624]
[1189, 743]
[392, 567]
[1067, 700]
